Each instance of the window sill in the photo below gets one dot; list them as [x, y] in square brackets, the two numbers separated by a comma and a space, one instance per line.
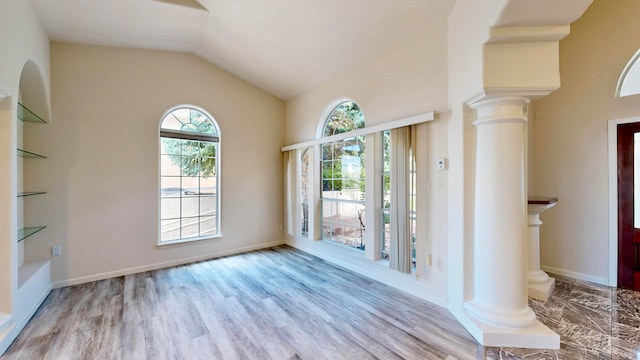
[169, 243]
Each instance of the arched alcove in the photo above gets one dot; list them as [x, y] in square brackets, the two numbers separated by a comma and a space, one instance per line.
[33, 90]
[629, 82]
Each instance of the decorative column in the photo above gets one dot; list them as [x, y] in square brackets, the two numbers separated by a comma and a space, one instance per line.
[500, 251]
[540, 284]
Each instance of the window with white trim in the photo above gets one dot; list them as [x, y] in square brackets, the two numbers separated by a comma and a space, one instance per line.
[343, 172]
[189, 175]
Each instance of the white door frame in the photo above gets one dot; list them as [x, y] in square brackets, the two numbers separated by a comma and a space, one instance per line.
[613, 195]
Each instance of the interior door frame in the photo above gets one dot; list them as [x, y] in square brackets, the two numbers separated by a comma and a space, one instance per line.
[613, 194]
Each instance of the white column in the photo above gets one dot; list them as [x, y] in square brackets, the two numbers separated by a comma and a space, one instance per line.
[500, 252]
[540, 284]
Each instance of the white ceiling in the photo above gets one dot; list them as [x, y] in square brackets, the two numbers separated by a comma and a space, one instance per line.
[281, 46]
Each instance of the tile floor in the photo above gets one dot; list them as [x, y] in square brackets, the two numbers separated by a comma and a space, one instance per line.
[594, 322]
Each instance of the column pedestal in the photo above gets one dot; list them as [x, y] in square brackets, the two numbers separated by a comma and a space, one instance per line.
[540, 285]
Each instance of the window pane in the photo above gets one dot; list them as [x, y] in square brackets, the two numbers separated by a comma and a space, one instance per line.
[170, 186]
[171, 123]
[190, 128]
[183, 114]
[207, 205]
[386, 234]
[191, 185]
[171, 146]
[327, 172]
[208, 148]
[190, 165]
[343, 222]
[304, 193]
[208, 185]
[207, 225]
[207, 166]
[169, 208]
[169, 230]
[170, 165]
[190, 206]
[189, 227]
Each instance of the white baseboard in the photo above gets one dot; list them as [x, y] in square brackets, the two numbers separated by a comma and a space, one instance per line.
[162, 265]
[576, 275]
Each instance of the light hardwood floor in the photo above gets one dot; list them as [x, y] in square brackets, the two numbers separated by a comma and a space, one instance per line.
[278, 303]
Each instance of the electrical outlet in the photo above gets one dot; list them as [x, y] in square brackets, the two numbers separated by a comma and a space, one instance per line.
[56, 250]
[441, 164]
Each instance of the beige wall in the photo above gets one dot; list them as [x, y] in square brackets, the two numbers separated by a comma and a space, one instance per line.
[409, 79]
[102, 171]
[569, 138]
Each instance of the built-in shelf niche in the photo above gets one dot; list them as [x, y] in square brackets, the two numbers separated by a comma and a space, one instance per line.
[26, 115]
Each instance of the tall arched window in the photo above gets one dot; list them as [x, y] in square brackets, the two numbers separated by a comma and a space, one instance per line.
[343, 172]
[189, 175]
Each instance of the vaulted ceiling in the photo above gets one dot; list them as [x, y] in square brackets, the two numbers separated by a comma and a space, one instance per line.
[281, 46]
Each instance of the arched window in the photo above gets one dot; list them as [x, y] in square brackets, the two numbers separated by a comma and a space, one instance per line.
[345, 117]
[629, 81]
[189, 175]
[343, 172]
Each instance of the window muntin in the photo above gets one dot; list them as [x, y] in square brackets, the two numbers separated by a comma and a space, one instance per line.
[342, 178]
[189, 176]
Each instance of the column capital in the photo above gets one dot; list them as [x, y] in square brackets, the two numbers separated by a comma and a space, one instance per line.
[500, 110]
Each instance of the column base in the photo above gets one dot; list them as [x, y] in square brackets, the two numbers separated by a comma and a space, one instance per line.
[520, 318]
[535, 336]
[542, 290]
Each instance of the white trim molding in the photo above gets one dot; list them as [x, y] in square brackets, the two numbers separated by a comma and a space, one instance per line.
[411, 120]
[4, 94]
[576, 275]
[527, 34]
[162, 265]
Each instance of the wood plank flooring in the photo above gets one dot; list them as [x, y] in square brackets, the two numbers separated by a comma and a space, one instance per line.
[278, 303]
